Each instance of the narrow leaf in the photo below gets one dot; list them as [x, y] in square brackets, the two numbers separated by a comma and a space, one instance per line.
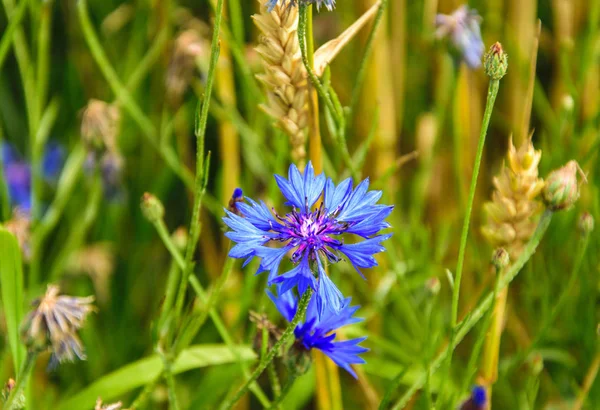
[144, 371]
[11, 282]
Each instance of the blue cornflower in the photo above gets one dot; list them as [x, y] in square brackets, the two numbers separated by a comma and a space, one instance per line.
[316, 332]
[17, 173]
[462, 29]
[311, 233]
[329, 4]
[477, 400]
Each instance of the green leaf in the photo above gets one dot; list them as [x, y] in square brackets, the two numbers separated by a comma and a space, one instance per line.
[11, 282]
[146, 370]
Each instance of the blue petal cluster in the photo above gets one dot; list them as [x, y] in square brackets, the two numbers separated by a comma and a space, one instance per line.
[311, 234]
[477, 400]
[329, 4]
[17, 172]
[316, 332]
[462, 29]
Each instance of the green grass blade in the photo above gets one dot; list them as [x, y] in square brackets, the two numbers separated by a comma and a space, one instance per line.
[11, 282]
[144, 371]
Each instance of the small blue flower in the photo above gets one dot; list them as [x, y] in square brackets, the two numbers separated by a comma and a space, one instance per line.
[311, 234]
[462, 29]
[17, 173]
[477, 400]
[329, 4]
[316, 330]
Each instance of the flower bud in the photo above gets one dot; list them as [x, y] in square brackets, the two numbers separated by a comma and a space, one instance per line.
[586, 223]
[180, 238]
[562, 189]
[152, 208]
[495, 62]
[433, 285]
[238, 196]
[500, 259]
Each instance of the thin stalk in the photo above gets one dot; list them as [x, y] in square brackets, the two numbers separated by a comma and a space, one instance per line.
[476, 315]
[170, 379]
[286, 389]
[558, 306]
[22, 380]
[124, 96]
[491, 98]
[590, 377]
[4, 198]
[362, 71]
[201, 177]
[274, 379]
[482, 336]
[316, 156]
[289, 332]
[13, 24]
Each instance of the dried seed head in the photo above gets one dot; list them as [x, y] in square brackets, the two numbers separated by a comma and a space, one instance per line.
[98, 262]
[189, 46]
[512, 213]
[496, 62]
[562, 188]
[284, 77]
[100, 126]
[53, 323]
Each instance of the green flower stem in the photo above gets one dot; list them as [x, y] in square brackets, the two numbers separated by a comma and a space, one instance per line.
[333, 106]
[212, 312]
[4, 199]
[477, 314]
[79, 230]
[13, 24]
[491, 98]
[22, 379]
[289, 332]
[556, 309]
[362, 71]
[170, 379]
[286, 389]
[123, 95]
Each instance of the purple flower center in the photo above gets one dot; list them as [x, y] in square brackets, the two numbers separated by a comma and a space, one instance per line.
[311, 232]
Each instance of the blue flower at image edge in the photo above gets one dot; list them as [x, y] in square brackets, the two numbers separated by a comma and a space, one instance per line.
[316, 331]
[17, 172]
[311, 234]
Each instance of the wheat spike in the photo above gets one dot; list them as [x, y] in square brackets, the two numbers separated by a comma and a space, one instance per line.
[284, 77]
[511, 215]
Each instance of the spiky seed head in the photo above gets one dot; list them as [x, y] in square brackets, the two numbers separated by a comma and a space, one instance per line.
[100, 126]
[152, 208]
[586, 223]
[495, 62]
[562, 188]
[53, 324]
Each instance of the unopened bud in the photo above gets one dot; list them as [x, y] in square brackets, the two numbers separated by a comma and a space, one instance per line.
[495, 62]
[562, 189]
[433, 285]
[586, 223]
[536, 364]
[152, 208]
[180, 238]
[500, 259]
[238, 196]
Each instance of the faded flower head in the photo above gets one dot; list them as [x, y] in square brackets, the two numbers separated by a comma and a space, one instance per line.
[311, 234]
[17, 172]
[317, 330]
[586, 223]
[461, 28]
[100, 126]
[53, 323]
[477, 400]
[329, 4]
[562, 187]
[98, 262]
